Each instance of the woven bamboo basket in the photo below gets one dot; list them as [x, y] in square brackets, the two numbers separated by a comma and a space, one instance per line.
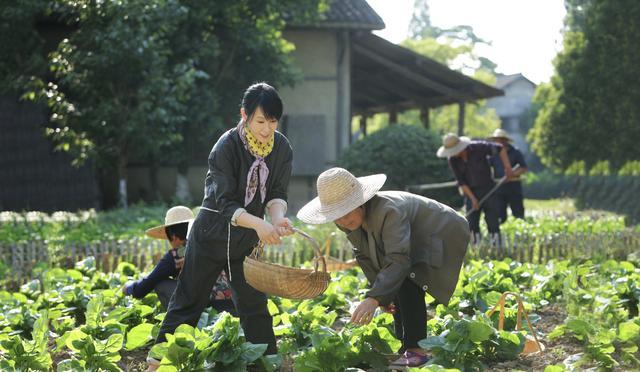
[531, 345]
[335, 264]
[284, 281]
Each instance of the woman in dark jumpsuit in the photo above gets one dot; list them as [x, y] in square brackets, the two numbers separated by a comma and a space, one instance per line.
[249, 171]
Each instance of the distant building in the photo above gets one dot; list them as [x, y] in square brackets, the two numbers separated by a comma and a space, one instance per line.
[518, 95]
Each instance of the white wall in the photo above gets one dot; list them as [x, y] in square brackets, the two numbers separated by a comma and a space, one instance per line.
[516, 100]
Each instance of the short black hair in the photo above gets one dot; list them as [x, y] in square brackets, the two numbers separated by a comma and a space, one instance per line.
[265, 96]
[179, 230]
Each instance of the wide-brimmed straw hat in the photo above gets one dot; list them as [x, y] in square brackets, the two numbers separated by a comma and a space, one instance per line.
[500, 134]
[339, 192]
[452, 145]
[174, 216]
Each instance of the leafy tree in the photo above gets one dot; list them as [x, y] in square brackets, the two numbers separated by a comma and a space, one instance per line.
[454, 47]
[114, 90]
[235, 43]
[22, 47]
[420, 25]
[158, 79]
[589, 110]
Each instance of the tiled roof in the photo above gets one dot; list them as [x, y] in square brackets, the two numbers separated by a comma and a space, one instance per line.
[505, 80]
[354, 13]
[351, 14]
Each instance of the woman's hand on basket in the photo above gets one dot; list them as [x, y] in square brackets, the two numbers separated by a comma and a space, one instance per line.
[268, 233]
[284, 226]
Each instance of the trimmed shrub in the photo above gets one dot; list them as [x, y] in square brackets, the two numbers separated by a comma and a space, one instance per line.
[407, 155]
[630, 168]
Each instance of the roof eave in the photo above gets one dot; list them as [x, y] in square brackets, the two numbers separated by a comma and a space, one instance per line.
[338, 25]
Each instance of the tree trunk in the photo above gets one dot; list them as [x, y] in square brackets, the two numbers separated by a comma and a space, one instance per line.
[424, 117]
[182, 183]
[108, 185]
[154, 194]
[122, 184]
[461, 118]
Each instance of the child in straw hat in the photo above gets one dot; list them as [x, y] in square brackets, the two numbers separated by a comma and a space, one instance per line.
[162, 279]
[405, 244]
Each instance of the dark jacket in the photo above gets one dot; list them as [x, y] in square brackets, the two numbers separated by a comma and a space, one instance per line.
[515, 158]
[224, 191]
[410, 236]
[476, 171]
[165, 269]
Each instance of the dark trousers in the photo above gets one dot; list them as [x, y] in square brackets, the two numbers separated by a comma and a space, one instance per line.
[165, 290]
[191, 297]
[410, 319]
[490, 208]
[510, 195]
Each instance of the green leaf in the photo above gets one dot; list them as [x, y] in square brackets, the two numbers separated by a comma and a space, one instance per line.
[269, 363]
[159, 351]
[554, 368]
[178, 354]
[510, 345]
[629, 330]
[71, 339]
[432, 342]
[114, 343]
[251, 352]
[273, 308]
[479, 332]
[70, 365]
[139, 336]
[557, 332]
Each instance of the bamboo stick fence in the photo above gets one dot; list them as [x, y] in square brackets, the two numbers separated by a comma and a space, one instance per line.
[22, 257]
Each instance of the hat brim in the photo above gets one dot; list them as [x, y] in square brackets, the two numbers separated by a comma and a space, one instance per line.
[159, 232]
[449, 152]
[315, 213]
[492, 138]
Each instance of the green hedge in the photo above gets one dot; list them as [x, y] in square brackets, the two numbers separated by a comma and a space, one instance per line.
[617, 194]
[407, 155]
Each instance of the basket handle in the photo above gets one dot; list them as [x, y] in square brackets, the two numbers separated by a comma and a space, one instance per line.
[259, 249]
[316, 250]
[521, 312]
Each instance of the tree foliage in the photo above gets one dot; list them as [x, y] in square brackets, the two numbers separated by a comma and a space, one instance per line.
[23, 52]
[159, 78]
[590, 109]
[454, 47]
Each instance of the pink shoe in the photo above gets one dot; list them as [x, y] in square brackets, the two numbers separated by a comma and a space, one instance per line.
[152, 364]
[410, 359]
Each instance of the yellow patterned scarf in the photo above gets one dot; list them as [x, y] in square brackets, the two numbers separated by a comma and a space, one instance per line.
[258, 172]
[255, 146]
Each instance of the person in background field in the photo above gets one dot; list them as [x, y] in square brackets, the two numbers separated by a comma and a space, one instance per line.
[249, 171]
[405, 244]
[510, 193]
[469, 161]
[163, 278]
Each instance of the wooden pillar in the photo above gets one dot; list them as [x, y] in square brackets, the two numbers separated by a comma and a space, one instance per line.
[363, 125]
[393, 117]
[424, 117]
[351, 131]
[461, 118]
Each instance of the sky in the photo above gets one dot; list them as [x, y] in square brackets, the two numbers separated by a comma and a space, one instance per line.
[525, 34]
